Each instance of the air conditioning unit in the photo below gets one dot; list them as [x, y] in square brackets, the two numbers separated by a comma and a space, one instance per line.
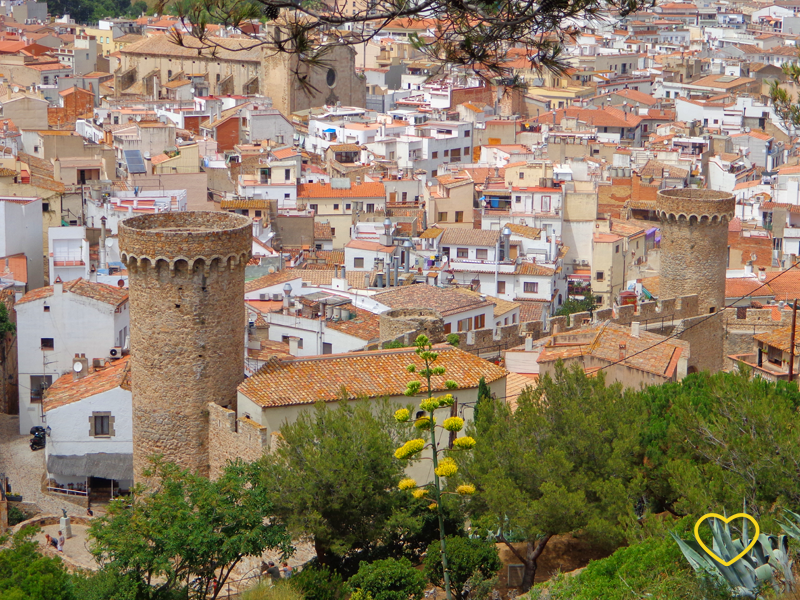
[115, 352]
[262, 296]
[585, 263]
[277, 297]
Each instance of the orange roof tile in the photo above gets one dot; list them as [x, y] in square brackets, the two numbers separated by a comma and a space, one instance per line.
[108, 294]
[66, 390]
[324, 190]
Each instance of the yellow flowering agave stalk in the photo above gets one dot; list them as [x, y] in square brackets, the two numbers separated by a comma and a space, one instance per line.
[453, 424]
[409, 449]
[429, 404]
[447, 467]
[465, 443]
[407, 484]
[446, 400]
[419, 494]
[423, 423]
[466, 489]
[402, 415]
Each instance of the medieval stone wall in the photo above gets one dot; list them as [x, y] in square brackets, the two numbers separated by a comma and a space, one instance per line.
[229, 439]
[186, 274]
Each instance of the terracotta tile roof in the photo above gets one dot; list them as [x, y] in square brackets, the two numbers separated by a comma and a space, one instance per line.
[372, 246]
[531, 233]
[754, 133]
[366, 325]
[605, 117]
[737, 287]
[236, 50]
[431, 233]
[285, 153]
[344, 148]
[531, 310]
[65, 390]
[445, 301]
[501, 306]
[372, 374]
[324, 190]
[234, 203]
[270, 280]
[770, 206]
[778, 338]
[636, 96]
[527, 268]
[458, 236]
[603, 341]
[108, 294]
[655, 168]
[712, 81]
[322, 231]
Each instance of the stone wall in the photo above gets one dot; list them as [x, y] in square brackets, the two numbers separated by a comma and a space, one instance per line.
[186, 274]
[411, 322]
[742, 323]
[230, 438]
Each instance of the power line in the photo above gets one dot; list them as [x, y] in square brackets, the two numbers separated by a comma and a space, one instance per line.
[711, 316]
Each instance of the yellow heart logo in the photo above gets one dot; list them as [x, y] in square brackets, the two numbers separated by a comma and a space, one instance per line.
[726, 520]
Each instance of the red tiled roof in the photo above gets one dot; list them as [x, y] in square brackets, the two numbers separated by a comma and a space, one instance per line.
[108, 294]
[66, 390]
[324, 190]
[361, 374]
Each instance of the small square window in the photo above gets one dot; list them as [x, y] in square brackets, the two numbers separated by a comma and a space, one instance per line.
[521, 175]
[335, 207]
[333, 231]
[47, 344]
[347, 206]
[531, 287]
[599, 276]
[462, 252]
[46, 308]
[358, 263]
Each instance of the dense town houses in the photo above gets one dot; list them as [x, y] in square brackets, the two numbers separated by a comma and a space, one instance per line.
[308, 234]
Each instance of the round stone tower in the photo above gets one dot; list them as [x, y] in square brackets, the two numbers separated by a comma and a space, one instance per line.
[186, 275]
[694, 245]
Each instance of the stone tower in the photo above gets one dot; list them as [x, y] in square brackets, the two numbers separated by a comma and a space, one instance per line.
[186, 275]
[694, 245]
[694, 257]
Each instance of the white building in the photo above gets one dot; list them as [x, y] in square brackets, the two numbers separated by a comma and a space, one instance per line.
[125, 203]
[55, 323]
[21, 233]
[89, 415]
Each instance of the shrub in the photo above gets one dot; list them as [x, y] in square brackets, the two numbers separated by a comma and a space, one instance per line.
[319, 583]
[466, 559]
[453, 339]
[266, 590]
[389, 579]
[16, 515]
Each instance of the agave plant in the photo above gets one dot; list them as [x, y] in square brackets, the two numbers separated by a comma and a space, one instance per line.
[767, 562]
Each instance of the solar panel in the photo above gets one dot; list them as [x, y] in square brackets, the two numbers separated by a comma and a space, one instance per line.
[135, 162]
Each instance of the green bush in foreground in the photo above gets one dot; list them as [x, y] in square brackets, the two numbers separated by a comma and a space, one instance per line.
[389, 579]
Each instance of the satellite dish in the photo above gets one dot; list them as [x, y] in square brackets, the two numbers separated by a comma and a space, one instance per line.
[271, 270]
[77, 367]
[16, 89]
[753, 256]
[109, 242]
[138, 118]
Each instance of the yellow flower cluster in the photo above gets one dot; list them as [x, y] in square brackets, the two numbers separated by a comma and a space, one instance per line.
[419, 494]
[433, 506]
[429, 404]
[423, 423]
[407, 484]
[446, 400]
[409, 449]
[447, 467]
[466, 490]
[465, 442]
[453, 424]
[402, 415]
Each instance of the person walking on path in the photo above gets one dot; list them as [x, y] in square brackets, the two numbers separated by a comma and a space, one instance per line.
[61, 542]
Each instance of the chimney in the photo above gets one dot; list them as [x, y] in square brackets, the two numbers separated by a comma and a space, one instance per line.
[379, 280]
[748, 268]
[102, 254]
[80, 367]
[58, 286]
[528, 343]
[294, 345]
[396, 261]
[337, 313]
[344, 274]
[635, 329]
[366, 280]
[622, 350]
[336, 269]
[287, 297]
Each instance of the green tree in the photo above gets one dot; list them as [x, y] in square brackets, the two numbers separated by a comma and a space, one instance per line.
[319, 583]
[567, 464]
[187, 527]
[484, 394]
[389, 579]
[573, 305]
[715, 440]
[27, 575]
[333, 476]
[7, 336]
[466, 558]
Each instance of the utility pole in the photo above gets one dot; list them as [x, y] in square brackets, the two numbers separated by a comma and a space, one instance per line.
[791, 342]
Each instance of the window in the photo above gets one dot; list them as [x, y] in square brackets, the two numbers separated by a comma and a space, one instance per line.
[404, 196]
[459, 216]
[447, 152]
[501, 287]
[45, 206]
[435, 155]
[442, 216]
[465, 324]
[333, 231]
[462, 252]
[482, 254]
[169, 74]
[313, 207]
[448, 328]
[287, 174]
[467, 133]
[518, 199]
[258, 213]
[39, 383]
[466, 151]
[480, 321]
[335, 207]
[545, 203]
[370, 208]
[48, 344]
[616, 249]
[286, 196]
[599, 276]
[45, 80]
[521, 175]
[358, 263]
[46, 308]
[347, 206]
[327, 348]
[531, 287]
[100, 424]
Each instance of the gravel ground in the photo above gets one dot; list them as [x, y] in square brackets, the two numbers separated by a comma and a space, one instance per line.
[25, 468]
